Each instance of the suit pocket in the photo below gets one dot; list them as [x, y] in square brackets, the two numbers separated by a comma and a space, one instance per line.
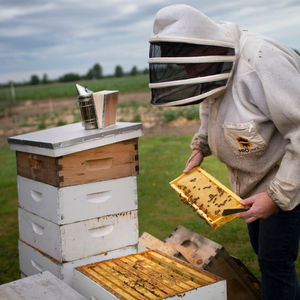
[244, 138]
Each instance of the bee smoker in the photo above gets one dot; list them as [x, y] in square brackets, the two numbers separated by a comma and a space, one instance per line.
[85, 104]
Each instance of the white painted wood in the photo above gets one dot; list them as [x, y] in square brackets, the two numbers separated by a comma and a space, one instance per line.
[78, 202]
[80, 239]
[33, 261]
[43, 286]
[91, 290]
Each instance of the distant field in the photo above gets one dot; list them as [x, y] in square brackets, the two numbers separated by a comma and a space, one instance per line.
[60, 90]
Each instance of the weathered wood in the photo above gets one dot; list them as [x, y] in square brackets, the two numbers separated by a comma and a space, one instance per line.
[79, 240]
[41, 286]
[152, 243]
[93, 165]
[38, 167]
[212, 257]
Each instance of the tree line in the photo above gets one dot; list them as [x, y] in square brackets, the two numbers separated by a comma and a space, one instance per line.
[96, 72]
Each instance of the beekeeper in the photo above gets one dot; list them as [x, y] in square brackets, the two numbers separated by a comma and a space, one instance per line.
[249, 89]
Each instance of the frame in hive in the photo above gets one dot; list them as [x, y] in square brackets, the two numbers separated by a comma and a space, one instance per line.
[207, 196]
[146, 275]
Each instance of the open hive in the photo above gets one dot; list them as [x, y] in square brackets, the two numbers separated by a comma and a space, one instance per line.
[206, 195]
[145, 275]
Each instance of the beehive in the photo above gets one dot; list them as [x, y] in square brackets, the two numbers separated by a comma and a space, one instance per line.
[206, 195]
[146, 275]
[77, 196]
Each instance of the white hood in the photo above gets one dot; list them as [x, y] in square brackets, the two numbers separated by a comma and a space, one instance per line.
[184, 26]
[184, 21]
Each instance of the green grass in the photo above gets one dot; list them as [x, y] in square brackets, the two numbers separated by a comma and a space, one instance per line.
[59, 90]
[161, 160]
[9, 261]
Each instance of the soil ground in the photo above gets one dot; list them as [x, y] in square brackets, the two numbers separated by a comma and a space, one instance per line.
[12, 121]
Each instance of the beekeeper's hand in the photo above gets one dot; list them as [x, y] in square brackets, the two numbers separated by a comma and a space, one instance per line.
[262, 206]
[194, 160]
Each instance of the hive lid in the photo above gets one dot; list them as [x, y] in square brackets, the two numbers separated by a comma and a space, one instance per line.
[207, 196]
[147, 275]
[73, 138]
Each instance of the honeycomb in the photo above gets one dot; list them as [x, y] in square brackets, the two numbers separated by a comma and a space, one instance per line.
[206, 195]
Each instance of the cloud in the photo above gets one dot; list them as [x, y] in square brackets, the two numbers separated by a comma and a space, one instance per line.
[72, 35]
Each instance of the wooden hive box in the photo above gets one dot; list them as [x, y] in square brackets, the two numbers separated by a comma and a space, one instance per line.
[70, 155]
[207, 196]
[146, 275]
[98, 164]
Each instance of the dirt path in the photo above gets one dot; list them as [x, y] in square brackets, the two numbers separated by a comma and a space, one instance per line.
[12, 123]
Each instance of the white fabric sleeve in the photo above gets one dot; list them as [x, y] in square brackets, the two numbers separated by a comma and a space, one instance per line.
[279, 73]
[200, 139]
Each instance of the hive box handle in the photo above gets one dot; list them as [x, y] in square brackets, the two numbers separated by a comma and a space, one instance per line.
[99, 164]
[36, 196]
[37, 266]
[101, 231]
[99, 197]
[37, 229]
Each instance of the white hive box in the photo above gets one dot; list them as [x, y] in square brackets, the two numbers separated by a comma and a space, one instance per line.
[79, 202]
[33, 261]
[41, 286]
[146, 275]
[80, 239]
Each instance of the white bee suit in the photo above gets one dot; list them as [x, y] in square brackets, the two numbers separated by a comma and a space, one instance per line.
[252, 124]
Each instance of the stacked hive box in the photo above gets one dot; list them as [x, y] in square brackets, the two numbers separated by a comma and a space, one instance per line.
[77, 196]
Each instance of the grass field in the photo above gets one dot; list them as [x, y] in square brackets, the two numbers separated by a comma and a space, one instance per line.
[60, 90]
[161, 159]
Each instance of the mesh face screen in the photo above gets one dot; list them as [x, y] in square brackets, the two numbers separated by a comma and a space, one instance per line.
[173, 94]
[171, 72]
[168, 49]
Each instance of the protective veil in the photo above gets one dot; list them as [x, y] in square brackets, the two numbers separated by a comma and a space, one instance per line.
[191, 57]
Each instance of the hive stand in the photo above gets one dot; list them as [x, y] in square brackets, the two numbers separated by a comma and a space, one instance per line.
[77, 196]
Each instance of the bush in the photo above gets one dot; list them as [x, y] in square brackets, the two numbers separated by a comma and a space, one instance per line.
[60, 123]
[42, 125]
[171, 115]
[136, 118]
[191, 113]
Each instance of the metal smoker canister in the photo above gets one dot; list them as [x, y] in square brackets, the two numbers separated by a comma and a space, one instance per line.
[85, 104]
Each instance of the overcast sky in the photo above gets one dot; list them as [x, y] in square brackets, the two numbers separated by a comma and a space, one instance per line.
[62, 36]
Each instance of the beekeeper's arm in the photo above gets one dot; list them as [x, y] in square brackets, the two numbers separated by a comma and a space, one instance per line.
[279, 74]
[200, 141]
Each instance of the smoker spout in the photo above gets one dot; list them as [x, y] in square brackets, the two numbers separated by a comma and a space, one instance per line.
[83, 91]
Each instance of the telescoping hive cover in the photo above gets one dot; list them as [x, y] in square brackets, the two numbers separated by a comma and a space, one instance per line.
[207, 196]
